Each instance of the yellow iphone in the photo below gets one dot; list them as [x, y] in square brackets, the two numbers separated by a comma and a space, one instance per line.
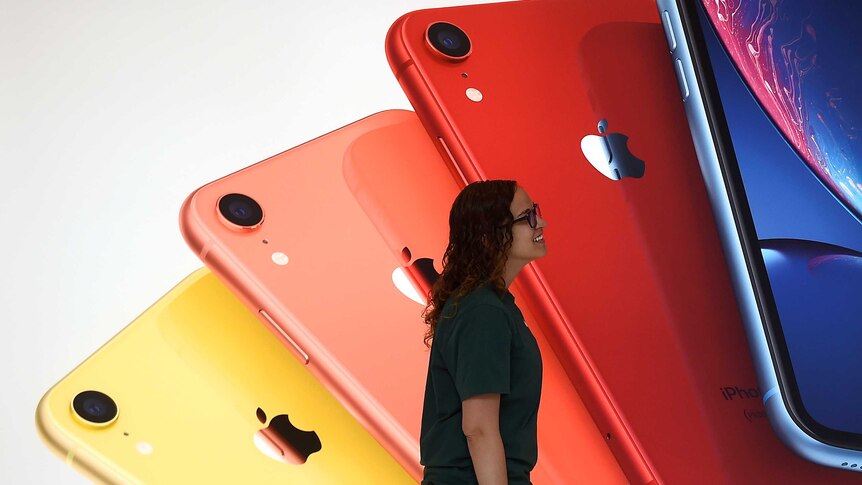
[196, 390]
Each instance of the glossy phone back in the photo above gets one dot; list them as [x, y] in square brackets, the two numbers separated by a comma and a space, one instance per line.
[406, 189]
[634, 268]
[333, 305]
[195, 377]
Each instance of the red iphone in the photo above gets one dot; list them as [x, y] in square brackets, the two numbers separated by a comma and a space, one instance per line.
[573, 100]
[289, 237]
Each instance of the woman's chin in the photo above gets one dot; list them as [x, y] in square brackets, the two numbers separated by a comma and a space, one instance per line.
[541, 250]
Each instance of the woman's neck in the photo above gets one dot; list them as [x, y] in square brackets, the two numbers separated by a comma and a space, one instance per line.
[511, 271]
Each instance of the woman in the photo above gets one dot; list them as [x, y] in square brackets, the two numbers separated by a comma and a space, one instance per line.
[485, 370]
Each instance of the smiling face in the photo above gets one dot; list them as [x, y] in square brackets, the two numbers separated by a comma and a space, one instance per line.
[527, 243]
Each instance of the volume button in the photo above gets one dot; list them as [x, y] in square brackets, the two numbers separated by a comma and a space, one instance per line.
[668, 30]
[680, 77]
[294, 347]
[452, 161]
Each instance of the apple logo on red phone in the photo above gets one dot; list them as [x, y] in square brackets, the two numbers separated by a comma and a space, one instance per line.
[283, 441]
[609, 154]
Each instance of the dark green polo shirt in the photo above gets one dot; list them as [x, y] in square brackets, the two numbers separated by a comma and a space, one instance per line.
[481, 346]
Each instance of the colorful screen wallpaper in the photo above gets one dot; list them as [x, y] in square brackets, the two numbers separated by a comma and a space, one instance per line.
[789, 75]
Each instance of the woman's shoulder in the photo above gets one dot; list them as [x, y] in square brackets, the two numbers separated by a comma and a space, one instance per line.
[478, 313]
[479, 299]
[483, 295]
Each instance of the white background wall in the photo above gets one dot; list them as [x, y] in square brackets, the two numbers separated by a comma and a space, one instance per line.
[111, 112]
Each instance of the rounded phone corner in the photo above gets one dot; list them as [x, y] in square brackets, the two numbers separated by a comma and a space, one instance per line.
[62, 445]
[191, 228]
[802, 443]
[396, 49]
[47, 427]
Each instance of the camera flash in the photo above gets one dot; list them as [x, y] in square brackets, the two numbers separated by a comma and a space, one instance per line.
[144, 448]
[474, 95]
[279, 258]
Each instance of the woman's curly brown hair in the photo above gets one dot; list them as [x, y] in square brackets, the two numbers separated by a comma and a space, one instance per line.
[480, 236]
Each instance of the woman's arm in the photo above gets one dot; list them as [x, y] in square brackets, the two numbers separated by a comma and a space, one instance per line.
[481, 425]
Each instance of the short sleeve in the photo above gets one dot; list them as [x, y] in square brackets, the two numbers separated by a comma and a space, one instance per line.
[478, 352]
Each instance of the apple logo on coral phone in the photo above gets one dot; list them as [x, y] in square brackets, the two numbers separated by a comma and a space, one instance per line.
[283, 441]
[609, 154]
[415, 281]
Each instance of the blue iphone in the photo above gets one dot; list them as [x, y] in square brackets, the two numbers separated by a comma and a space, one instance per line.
[773, 94]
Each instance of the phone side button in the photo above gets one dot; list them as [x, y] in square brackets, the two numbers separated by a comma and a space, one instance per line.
[668, 30]
[294, 347]
[680, 77]
[452, 162]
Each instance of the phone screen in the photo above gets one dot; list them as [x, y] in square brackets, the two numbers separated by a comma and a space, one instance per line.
[788, 75]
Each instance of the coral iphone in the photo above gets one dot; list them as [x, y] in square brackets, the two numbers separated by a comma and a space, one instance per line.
[570, 99]
[291, 239]
[287, 236]
[195, 390]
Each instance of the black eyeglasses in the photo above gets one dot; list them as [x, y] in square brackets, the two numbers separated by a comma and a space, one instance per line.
[532, 216]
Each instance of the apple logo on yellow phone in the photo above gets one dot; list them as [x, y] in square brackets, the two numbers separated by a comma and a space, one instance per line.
[609, 154]
[283, 441]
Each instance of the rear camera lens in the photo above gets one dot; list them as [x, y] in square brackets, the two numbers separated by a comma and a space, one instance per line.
[240, 209]
[449, 40]
[95, 407]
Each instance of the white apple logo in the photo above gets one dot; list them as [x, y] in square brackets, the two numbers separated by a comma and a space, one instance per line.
[416, 279]
[609, 154]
